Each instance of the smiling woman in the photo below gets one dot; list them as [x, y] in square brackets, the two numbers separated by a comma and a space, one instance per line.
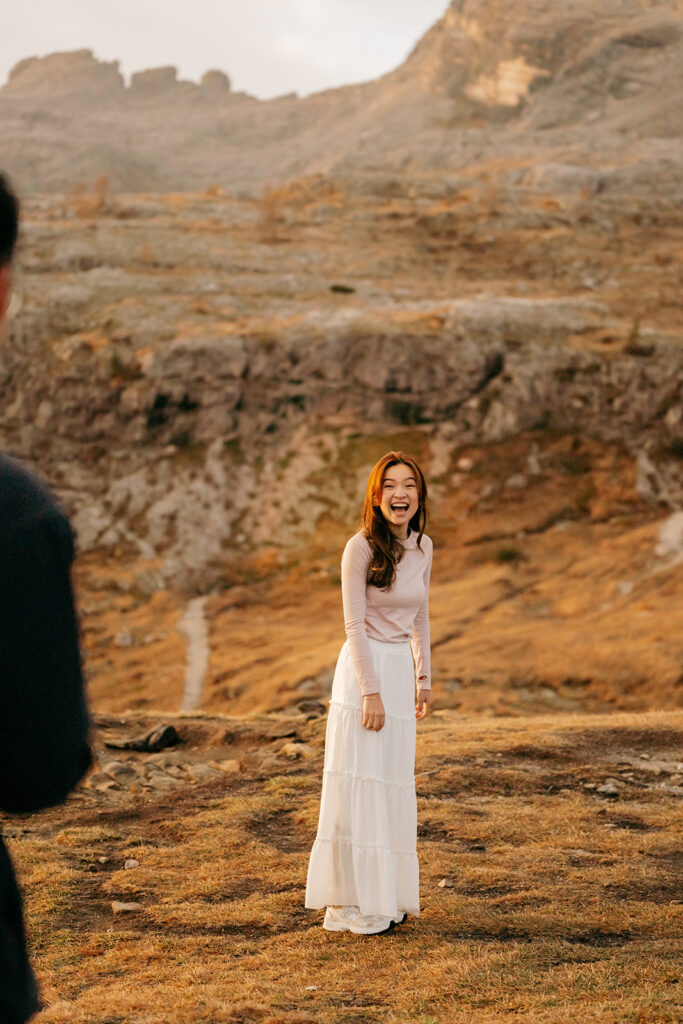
[267, 48]
[363, 866]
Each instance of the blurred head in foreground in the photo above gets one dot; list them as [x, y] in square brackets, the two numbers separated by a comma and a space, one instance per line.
[9, 229]
[395, 504]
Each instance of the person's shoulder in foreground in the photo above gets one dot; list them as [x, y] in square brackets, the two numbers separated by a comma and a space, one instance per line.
[44, 748]
[24, 500]
[44, 724]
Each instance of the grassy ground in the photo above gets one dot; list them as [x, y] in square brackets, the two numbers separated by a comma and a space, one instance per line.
[560, 904]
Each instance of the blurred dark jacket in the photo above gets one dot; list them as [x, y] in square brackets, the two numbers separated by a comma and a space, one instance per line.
[44, 748]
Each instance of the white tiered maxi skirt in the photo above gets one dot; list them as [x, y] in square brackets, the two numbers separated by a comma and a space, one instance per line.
[365, 851]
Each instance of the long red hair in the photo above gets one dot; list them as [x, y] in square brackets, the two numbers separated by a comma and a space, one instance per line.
[387, 549]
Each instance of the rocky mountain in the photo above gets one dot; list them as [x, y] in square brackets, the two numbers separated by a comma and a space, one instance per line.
[564, 95]
[484, 269]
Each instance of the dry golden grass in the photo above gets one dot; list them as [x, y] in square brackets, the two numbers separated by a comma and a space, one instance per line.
[87, 204]
[271, 213]
[563, 906]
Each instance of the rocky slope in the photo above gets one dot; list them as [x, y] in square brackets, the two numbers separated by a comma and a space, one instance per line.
[170, 368]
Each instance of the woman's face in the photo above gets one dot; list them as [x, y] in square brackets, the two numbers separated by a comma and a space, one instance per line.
[399, 497]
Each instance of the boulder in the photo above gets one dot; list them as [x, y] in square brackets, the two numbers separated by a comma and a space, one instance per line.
[215, 83]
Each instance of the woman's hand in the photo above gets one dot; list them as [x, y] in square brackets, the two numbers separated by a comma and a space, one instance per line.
[373, 712]
[424, 704]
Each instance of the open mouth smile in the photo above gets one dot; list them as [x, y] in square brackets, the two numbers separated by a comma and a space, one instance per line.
[399, 507]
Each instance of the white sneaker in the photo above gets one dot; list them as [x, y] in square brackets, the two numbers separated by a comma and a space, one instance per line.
[350, 919]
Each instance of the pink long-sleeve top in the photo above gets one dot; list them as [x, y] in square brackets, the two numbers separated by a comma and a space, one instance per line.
[395, 615]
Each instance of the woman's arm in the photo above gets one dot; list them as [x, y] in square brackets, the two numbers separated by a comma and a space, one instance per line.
[420, 642]
[354, 569]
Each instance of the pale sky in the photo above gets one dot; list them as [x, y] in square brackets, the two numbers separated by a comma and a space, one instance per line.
[268, 47]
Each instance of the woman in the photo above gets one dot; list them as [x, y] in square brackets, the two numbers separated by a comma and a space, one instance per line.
[363, 864]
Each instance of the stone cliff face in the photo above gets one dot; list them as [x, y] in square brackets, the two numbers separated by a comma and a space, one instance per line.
[200, 429]
[498, 54]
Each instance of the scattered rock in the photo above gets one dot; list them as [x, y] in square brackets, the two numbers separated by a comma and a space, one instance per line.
[169, 759]
[101, 782]
[121, 771]
[222, 737]
[158, 739]
[312, 708]
[157, 778]
[229, 767]
[298, 750]
[202, 772]
[125, 908]
[446, 883]
[271, 763]
[160, 782]
[517, 481]
[609, 789]
[281, 730]
[131, 863]
[162, 737]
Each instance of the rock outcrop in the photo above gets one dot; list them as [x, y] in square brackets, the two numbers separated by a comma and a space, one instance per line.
[155, 82]
[170, 450]
[76, 76]
[215, 82]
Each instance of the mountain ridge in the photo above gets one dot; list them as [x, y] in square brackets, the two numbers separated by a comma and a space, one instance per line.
[526, 79]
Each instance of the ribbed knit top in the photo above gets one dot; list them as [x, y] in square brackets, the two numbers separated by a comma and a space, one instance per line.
[396, 615]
